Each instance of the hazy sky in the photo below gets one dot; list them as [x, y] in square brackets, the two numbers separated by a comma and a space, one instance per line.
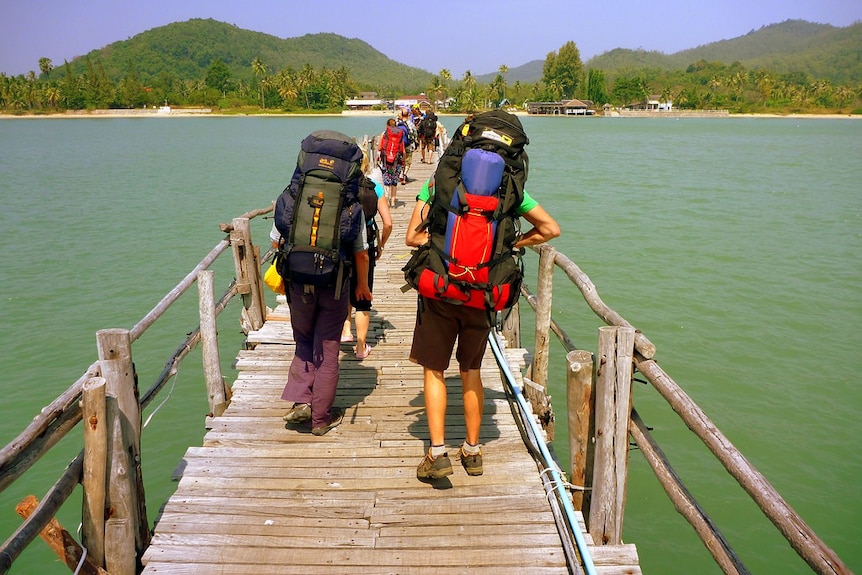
[458, 35]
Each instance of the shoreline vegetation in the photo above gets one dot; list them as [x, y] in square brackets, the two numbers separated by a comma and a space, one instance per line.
[207, 112]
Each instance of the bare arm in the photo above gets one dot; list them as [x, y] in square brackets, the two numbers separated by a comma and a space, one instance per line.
[544, 229]
[386, 219]
[361, 260]
[417, 238]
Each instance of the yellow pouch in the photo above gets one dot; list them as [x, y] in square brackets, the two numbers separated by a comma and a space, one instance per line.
[273, 280]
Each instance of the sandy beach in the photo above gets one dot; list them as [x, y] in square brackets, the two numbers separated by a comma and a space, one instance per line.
[206, 112]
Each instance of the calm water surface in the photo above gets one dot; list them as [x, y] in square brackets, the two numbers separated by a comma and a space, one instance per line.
[734, 244]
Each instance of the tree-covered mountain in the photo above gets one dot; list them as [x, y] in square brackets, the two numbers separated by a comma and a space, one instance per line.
[188, 49]
[794, 66]
[820, 51]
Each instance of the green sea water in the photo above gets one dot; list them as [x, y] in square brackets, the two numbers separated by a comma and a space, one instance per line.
[735, 245]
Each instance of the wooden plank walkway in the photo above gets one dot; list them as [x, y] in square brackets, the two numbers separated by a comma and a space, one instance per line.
[260, 498]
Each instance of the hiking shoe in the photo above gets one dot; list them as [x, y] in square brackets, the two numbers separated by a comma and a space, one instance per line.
[472, 463]
[335, 419]
[431, 468]
[299, 413]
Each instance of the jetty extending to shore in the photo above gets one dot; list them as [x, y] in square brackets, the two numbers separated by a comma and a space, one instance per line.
[259, 497]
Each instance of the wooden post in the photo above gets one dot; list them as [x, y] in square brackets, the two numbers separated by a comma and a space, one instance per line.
[511, 328]
[95, 468]
[209, 339]
[580, 400]
[544, 294]
[613, 411]
[125, 492]
[248, 280]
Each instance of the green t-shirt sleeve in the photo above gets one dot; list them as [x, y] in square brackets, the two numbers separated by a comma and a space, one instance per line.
[424, 193]
[526, 205]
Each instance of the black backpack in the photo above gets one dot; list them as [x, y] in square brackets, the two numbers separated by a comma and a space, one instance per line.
[485, 270]
[368, 201]
[429, 126]
[318, 214]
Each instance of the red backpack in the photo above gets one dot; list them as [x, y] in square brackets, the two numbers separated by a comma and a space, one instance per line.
[392, 143]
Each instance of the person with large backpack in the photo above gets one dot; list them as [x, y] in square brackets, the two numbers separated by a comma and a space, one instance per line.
[319, 226]
[427, 136]
[466, 267]
[374, 203]
[411, 142]
[391, 150]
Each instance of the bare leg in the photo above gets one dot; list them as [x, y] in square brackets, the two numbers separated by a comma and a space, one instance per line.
[474, 400]
[362, 319]
[435, 405]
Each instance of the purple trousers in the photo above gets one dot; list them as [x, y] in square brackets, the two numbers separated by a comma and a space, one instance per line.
[317, 319]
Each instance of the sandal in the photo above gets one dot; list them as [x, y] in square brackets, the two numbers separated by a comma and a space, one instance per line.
[365, 353]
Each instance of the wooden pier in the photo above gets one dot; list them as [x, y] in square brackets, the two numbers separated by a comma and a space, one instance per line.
[260, 497]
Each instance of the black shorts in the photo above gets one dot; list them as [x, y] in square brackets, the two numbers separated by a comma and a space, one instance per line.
[438, 324]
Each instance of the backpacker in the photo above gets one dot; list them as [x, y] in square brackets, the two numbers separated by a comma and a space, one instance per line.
[429, 126]
[477, 187]
[410, 129]
[392, 143]
[318, 214]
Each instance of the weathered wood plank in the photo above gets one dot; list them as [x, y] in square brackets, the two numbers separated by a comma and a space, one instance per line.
[262, 497]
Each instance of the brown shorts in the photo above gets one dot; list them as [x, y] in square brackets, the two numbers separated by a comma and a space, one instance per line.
[438, 324]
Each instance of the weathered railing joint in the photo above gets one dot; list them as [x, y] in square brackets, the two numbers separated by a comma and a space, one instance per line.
[209, 337]
[248, 280]
[581, 405]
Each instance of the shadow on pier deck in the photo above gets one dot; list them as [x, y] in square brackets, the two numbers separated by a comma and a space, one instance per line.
[261, 498]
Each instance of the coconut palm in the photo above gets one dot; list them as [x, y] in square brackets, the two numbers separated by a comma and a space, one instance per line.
[45, 66]
[259, 69]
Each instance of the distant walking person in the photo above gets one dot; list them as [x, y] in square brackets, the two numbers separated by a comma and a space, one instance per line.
[373, 203]
[391, 158]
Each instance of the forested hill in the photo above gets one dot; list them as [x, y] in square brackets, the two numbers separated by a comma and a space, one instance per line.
[187, 49]
[821, 51]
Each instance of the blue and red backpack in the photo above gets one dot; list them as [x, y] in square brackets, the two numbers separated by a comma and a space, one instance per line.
[472, 217]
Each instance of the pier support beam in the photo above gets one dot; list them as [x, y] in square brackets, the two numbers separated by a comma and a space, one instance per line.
[613, 411]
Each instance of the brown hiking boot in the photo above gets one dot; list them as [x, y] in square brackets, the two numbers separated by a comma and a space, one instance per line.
[431, 468]
[472, 463]
[299, 413]
[336, 416]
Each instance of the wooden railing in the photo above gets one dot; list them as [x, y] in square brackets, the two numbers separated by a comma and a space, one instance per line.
[599, 411]
[601, 418]
[115, 530]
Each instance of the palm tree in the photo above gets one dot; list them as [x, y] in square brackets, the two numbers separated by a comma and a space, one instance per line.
[286, 86]
[437, 88]
[259, 69]
[764, 84]
[843, 94]
[53, 95]
[45, 66]
[445, 77]
[469, 81]
[305, 80]
[503, 71]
